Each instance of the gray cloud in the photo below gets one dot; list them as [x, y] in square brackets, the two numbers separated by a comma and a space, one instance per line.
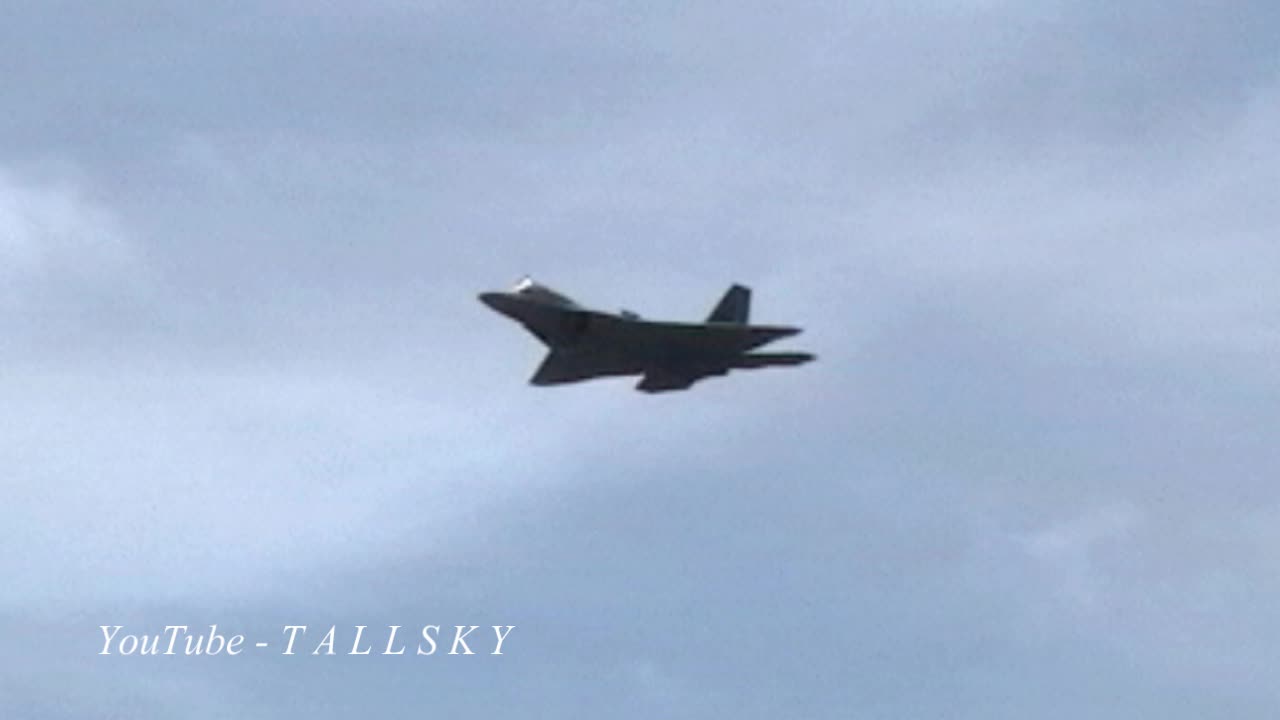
[247, 381]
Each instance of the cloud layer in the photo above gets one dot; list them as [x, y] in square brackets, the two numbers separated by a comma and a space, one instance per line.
[247, 381]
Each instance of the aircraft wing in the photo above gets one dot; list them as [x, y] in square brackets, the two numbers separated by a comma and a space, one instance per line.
[565, 367]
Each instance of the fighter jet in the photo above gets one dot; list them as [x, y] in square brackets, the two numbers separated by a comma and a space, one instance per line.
[584, 344]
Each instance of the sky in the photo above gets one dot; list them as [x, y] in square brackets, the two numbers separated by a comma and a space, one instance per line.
[246, 380]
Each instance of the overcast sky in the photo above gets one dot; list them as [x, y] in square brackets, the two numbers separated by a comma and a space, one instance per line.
[246, 380]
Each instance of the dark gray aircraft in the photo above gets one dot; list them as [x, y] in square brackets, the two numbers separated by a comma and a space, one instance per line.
[586, 344]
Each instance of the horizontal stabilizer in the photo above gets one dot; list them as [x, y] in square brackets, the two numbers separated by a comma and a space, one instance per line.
[734, 307]
[780, 359]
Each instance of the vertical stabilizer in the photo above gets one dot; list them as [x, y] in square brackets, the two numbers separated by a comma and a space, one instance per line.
[734, 307]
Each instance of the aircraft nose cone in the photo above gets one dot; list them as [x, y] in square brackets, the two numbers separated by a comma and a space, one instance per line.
[497, 301]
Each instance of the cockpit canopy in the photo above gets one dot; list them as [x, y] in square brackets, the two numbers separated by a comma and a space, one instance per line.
[537, 291]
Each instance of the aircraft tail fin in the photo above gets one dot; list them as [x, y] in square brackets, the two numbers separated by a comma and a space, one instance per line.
[734, 307]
